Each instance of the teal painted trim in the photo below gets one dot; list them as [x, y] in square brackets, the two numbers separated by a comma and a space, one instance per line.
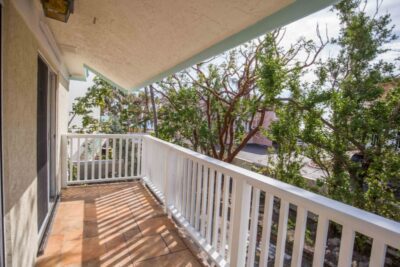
[104, 78]
[293, 12]
[84, 79]
[78, 78]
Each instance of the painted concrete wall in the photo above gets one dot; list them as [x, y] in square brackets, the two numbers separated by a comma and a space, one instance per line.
[19, 136]
[259, 138]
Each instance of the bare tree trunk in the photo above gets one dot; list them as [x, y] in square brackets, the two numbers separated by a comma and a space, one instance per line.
[71, 119]
[146, 99]
[153, 105]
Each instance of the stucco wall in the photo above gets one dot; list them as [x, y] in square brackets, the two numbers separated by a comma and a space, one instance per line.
[19, 137]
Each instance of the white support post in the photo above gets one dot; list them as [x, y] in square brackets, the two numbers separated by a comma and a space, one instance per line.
[282, 231]
[140, 155]
[240, 223]
[107, 163]
[64, 161]
[378, 253]
[299, 235]
[320, 241]
[346, 246]
[167, 155]
[144, 161]
[171, 178]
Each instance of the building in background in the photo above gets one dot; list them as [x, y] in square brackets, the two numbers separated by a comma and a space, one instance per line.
[259, 138]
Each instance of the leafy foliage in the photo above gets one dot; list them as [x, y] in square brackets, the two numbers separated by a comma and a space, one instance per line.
[348, 117]
[120, 112]
[214, 107]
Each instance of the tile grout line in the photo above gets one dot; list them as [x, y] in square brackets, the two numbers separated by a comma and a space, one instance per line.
[154, 214]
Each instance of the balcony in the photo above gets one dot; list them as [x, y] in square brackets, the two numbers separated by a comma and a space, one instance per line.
[237, 217]
[119, 224]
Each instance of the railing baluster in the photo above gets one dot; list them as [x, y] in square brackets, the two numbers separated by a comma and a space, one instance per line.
[282, 230]
[231, 219]
[204, 202]
[165, 180]
[107, 163]
[126, 156]
[378, 253]
[187, 189]
[132, 157]
[255, 205]
[78, 155]
[139, 157]
[240, 222]
[100, 161]
[178, 184]
[224, 223]
[86, 159]
[193, 194]
[266, 229]
[92, 158]
[299, 234]
[320, 242]
[120, 158]
[210, 205]
[346, 246]
[217, 207]
[198, 195]
[114, 152]
[71, 164]
[64, 161]
[184, 186]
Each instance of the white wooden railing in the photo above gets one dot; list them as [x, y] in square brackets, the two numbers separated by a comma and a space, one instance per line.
[102, 157]
[241, 218]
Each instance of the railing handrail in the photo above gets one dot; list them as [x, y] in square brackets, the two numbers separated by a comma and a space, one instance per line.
[101, 135]
[362, 221]
[124, 166]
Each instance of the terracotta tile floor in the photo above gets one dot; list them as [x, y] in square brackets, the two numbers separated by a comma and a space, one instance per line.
[117, 224]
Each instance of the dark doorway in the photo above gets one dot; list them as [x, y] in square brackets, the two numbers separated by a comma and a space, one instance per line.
[46, 143]
[42, 138]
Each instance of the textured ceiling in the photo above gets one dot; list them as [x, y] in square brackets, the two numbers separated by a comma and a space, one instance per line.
[132, 41]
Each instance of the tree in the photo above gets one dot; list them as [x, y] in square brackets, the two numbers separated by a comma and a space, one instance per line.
[354, 99]
[211, 107]
[217, 106]
[120, 111]
[154, 110]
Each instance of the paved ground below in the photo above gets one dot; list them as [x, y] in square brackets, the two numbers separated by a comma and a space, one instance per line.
[258, 154]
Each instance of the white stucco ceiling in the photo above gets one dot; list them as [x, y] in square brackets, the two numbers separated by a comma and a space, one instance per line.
[132, 42]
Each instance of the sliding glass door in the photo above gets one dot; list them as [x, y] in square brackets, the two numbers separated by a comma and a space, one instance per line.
[46, 118]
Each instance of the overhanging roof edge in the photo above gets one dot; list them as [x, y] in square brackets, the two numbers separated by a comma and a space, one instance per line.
[84, 78]
[297, 10]
[293, 12]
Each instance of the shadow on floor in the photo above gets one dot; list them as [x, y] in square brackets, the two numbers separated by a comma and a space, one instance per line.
[119, 224]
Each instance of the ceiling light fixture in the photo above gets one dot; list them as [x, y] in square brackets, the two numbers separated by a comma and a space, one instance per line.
[58, 9]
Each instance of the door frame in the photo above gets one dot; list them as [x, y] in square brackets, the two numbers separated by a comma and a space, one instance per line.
[53, 113]
[52, 89]
[2, 229]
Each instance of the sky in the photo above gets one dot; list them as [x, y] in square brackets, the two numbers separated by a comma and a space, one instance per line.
[326, 20]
